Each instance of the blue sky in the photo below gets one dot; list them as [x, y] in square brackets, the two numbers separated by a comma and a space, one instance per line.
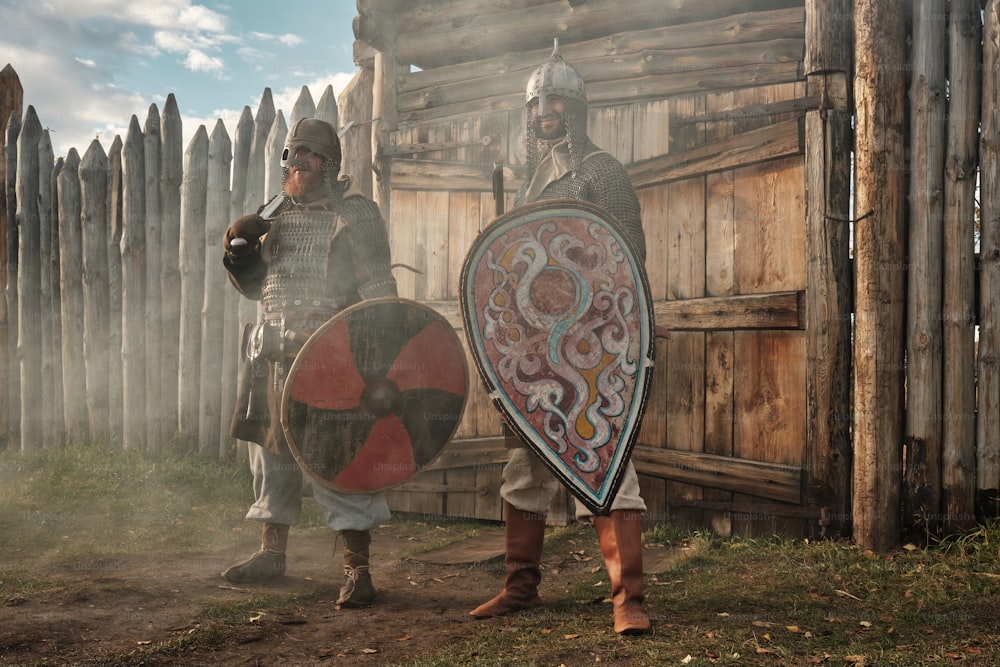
[88, 66]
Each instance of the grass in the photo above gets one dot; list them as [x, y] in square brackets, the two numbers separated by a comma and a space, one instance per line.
[726, 601]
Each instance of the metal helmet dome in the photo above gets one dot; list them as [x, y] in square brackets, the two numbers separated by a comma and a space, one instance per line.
[316, 135]
[555, 77]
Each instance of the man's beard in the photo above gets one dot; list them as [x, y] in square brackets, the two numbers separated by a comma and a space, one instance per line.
[304, 184]
[557, 133]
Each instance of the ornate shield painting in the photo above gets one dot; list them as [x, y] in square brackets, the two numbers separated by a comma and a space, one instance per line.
[374, 395]
[557, 310]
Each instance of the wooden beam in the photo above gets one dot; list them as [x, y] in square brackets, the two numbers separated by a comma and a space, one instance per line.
[958, 456]
[880, 260]
[613, 92]
[829, 286]
[779, 310]
[597, 69]
[466, 36]
[766, 143]
[988, 421]
[471, 453]
[928, 109]
[756, 478]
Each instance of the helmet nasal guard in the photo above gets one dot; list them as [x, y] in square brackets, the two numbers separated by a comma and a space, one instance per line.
[554, 77]
[314, 135]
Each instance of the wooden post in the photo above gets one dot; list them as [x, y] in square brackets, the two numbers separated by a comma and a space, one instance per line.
[303, 107]
[116, 380]
[28, 281]
[383, 122]
[11, 100]
[53, 423]
[880, 256]
[988, 422]
[156, 428]
[273, 147]
[171, 176]
[70, 251]
[133, 249]
[922, 487]
[94, 223]
[234, 326]
[10, 409]
[828, 289]
[191, 251]
[326, 108]
[958, 474]
[220, 157]
[356, 145]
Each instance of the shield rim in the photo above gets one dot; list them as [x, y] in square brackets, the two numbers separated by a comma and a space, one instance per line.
[314, 338]
[588, 210]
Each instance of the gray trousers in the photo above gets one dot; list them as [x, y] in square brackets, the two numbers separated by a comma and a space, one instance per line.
[277, 489]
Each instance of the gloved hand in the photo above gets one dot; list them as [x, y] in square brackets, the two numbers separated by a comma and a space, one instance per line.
[243, 235]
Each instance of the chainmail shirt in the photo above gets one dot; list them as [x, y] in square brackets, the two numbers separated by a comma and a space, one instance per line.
[600, 179]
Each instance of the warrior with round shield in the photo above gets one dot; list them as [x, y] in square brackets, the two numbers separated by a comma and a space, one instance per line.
[563, 163]
[324, 249]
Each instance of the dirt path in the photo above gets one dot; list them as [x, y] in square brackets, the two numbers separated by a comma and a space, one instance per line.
[109, 606]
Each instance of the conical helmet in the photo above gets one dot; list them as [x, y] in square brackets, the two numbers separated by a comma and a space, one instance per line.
[555, 77]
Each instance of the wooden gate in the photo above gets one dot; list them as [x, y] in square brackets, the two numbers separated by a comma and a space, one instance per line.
[709, 108]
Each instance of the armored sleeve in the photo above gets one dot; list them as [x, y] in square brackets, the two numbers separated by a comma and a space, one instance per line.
[369, 248]
[611, 189]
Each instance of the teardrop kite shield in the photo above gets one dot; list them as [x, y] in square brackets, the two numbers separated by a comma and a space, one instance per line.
[557, 310]
[374, 395]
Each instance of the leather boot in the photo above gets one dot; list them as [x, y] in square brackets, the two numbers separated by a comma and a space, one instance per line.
[620, 537]
[524, 533]
[357, 590]
[268, 563]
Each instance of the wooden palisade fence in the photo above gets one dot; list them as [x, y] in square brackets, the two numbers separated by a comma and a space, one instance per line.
[822, 366]
[121, 325]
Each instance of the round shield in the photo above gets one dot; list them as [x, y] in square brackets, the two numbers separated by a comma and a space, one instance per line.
[374, 395]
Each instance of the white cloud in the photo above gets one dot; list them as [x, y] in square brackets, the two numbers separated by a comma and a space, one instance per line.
[197, 61]
[290, 39]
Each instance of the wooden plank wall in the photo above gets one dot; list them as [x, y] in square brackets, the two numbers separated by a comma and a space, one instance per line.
[719, 389]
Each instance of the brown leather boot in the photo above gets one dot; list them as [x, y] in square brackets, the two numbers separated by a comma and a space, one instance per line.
[268, 563]
[620, 537]
[524, 533]
[357, 590]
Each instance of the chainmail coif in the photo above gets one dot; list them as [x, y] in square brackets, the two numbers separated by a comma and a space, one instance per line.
[596, 176]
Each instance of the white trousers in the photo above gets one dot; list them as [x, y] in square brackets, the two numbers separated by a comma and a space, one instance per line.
[530, 486]
[277, 489]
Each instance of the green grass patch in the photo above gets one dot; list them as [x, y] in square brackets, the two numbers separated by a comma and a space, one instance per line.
[775, 601]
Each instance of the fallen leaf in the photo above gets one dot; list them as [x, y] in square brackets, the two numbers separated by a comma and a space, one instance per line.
[256, 618]
[761, 650]
[143, 642]
[404, 638]
[796, 629]
[723, 614]
[865, 624]
[574, 636]
[369, 651]
[686, 659]
[763, 624]
[911, 547]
